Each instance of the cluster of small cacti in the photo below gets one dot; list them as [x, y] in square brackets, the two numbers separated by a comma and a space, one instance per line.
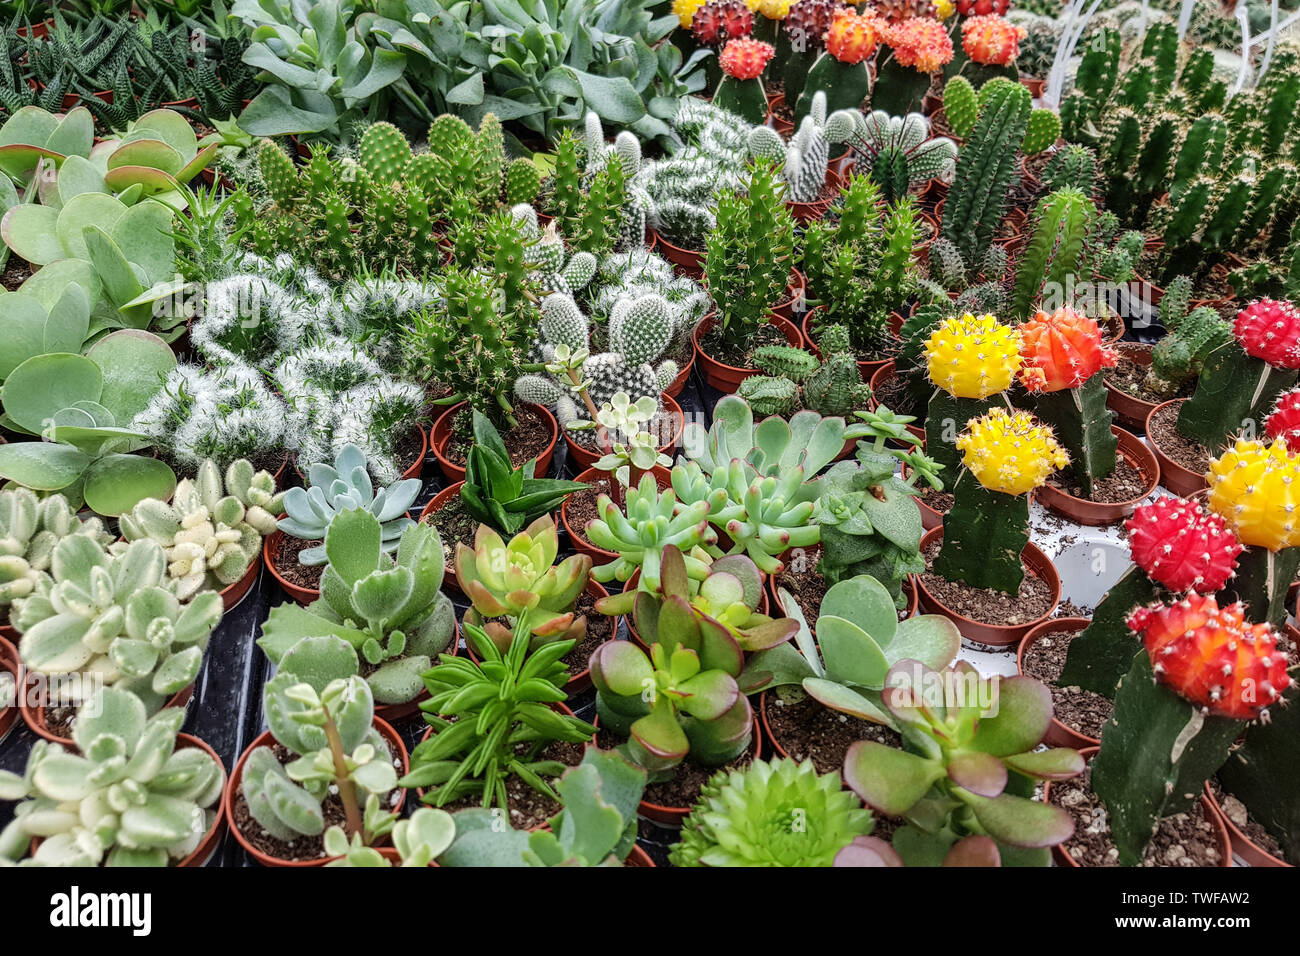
[898, 152]
[596, 205]
[794, 378]
[1181, 546]
[1211, 657]
[804, 161]
[1254, 488]
[972, 356]
[1010, 453]
[1189, 339]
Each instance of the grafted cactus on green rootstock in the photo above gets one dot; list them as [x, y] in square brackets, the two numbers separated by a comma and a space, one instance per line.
[131, 797]
[970, 766]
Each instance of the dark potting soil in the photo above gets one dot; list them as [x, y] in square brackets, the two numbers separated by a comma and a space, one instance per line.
[988, 606]
[1079, 709]
[940, 501]
[59, 720]
[1068, 608]
[285, 558]
[16, 272]
[893, 394]
[525, 441]
[303, 847]
[455, 526]
[1183, 839]
[1128, 376]
[806, 730]
[406, 452]
[802, 579]
[683, 790]
[1125, 483]
[1192, 455]
[529, 808]
[712, 343]
[1239, 814]
[599, 630]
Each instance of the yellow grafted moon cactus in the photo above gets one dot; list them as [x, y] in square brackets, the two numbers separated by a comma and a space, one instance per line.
[1256, 488]
[973, 356]
[1012, 454]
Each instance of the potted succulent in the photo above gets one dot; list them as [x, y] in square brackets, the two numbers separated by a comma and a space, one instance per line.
[740, 90]
[324, 746]
[296, 552]
[417, 840]
[165, 790]
[826, 380]
[981, 558]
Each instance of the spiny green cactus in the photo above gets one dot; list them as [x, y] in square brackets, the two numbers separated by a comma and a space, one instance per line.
[771, 395]
[523, 180]
[1042, 130]
[384, 152]
[1073, 166]
[1052, 257]
[786, 361]
[900, 153]
[960, 105]
[1181, 354]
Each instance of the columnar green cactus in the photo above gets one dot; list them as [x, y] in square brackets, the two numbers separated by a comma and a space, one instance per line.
[30, 528]
[805, 159]
[1072, 167]
[279, 174]
[1052, 258]
[1042, 130]
[960, 106]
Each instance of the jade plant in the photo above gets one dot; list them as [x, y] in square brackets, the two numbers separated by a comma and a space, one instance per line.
[520, 582]
[212, 531]
[388, 608]
[130, 797]
[79, 406]
[1062, 359]
[858, 639]
[418, 840]
[1200, 675]
[30, 529]
[345, 486]
[112, 619]
[596, 827]
[1005, 457]
[493, 721]
[970, 767]
[772, 813]
[501, 496]
[322, 713]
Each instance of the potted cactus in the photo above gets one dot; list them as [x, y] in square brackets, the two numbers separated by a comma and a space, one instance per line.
[805, 161]
[899, 154]
[970, 765]
[138, 793]
[979, 557]
[794, 379]
[842, 70]
[740, 90]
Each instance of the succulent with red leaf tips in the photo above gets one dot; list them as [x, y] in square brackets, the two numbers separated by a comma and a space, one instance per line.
[1061, 350]
[1211, 657]
[851, 38]
[991, 40]
[921, 43]
[1270, 330]
[1284, 421]
[982, 7]
[721, 20]
[745, 59]
[1181, 546]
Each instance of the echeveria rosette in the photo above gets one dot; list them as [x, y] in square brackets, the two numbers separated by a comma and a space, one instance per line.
[772, 813]
[520, 580]
[964, 770]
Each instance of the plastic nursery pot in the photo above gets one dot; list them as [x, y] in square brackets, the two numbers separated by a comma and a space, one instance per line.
[667, 425]
[441, 436]
[436, 504]
[1181, 481]
[1243, 846]
[9, 663]
[395, 712]
[686, 262]
[865, 369]
[999, 635]
[1059, 734]
[271, 547]
[1096, 513]
[795, 290]
[232, 594]
[264, 739]
[727, 378]
[415, 469]
[805, 212]
[1113, 328]
[638, 857]
[1033, 84]
[577, 540]
[764, 605]
[883, 375]
[35, 715]
[782, 126]
[1213, 813]
[1131, 412]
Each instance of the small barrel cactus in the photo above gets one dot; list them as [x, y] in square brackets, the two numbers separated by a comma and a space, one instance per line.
[30, 527]
[1181, 546]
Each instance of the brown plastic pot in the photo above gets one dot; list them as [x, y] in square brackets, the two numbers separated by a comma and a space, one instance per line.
[865, 369]
[586, 458]
[395, 712]
[686, 262]
[1096, 513]
[1243, 846]
[232, 594]
[581, 681]
[439, 502]
[34, 714]
[441, 435]
[38, 31]
[1129, 411]
[1059, 734]
[1213, 813]
[638, 857]
[675, 388]
[673, 816]
[271, 545]
[782, 126]
[1033, 84]
[578, 541]
[265, 739]
[1181, 481]
[795, 290]
[9, 662]
[999, 635]
[727, 378]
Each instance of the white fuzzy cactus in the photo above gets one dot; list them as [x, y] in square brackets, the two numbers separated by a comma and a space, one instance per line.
[806, 158]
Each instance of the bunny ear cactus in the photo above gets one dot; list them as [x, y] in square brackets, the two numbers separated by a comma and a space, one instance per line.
[1005, 458]
[390, 610]
[1201, 674]
[858, 639]
[743, 818]
[520, 581]
[113, 619]
[970, 766]
[130, 797]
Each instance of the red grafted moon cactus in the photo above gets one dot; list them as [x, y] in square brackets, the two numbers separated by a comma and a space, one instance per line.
[1270, 330]
[1211, 657]
[991, 40]
[1181, 546]
[1061, 350]
[1284, 421]
[745, 59]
